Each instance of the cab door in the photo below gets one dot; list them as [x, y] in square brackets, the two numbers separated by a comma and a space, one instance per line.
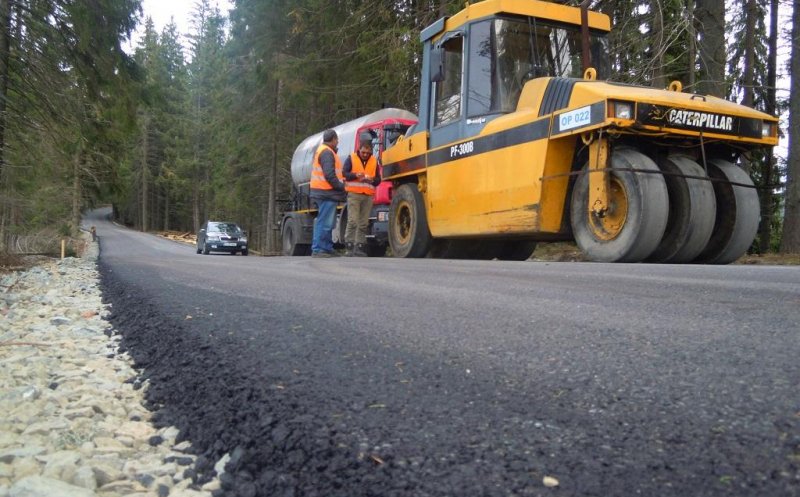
[447, 108]
[479, 184]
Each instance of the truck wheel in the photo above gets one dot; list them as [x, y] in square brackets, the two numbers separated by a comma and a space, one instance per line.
[692, 208]
[289, 240]
[409, 235]
[738, 213]
[634, 225]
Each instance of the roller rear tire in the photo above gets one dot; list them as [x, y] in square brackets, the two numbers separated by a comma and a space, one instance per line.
[737, 217]
[692, 208]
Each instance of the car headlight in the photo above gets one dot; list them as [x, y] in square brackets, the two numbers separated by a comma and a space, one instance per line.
[243, 239]
[767, 130]
[212, 238]
[620, 110]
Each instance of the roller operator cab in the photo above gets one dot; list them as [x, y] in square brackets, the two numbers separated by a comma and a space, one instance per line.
[297, 223]
[521, 139]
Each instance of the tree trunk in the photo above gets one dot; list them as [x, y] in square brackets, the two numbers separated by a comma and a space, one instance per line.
[790, 242]
[166, 208]
[145, 190]
[691, 36]
[273, 176]
[196, 205]
[76, 191]
[710, 18]
[657, 45]
[767, 198]
[5, 55]
[748, 76]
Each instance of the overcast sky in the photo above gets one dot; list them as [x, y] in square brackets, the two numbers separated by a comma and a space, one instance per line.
[181, 10]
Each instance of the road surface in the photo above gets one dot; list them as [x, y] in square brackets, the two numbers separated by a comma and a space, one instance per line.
[362, 377]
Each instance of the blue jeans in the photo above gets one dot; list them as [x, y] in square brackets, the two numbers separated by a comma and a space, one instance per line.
[322, 240]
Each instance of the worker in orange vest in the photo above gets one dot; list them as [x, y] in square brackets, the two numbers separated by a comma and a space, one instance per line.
[362, 173]
[327, 190]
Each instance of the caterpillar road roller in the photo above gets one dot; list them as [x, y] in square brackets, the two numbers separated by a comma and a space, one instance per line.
[522, 139]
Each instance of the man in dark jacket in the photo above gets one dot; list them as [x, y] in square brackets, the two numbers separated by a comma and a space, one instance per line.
[327, 190]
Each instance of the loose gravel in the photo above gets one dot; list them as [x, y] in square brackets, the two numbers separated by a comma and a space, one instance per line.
[73, 422]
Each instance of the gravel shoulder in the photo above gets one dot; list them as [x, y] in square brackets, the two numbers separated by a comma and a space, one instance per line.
[74, 422]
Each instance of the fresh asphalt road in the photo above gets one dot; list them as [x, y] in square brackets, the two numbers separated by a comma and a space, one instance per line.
[442, 377]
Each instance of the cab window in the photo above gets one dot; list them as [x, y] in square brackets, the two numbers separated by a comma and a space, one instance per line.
[507, 53]
[448, 92]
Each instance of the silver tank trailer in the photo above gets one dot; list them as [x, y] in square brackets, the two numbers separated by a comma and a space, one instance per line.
[304, 153]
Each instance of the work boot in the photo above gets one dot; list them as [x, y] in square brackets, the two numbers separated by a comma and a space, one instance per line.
[349, 249]
[361, 250]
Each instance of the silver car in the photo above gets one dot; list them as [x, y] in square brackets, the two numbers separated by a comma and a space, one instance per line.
[219, 236]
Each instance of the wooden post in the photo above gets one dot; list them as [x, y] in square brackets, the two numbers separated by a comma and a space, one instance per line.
[63, 247]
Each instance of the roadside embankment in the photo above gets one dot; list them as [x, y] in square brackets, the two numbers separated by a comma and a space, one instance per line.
[73, 422]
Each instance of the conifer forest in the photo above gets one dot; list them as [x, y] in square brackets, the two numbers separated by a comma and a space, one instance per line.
[176, 128]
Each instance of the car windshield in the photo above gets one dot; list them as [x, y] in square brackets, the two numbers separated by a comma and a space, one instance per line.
[229, 228]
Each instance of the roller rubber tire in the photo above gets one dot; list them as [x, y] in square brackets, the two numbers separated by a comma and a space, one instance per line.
[737, 218]
[409, 235]
[692, 209]
[645, 214]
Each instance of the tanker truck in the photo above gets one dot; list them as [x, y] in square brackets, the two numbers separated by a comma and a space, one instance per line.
[297, 224]
[523, 139]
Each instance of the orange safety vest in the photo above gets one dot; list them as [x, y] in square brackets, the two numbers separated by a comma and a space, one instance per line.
[318, 181]
[368, 170]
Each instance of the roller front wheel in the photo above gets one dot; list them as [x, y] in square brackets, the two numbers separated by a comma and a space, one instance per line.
[637, 215]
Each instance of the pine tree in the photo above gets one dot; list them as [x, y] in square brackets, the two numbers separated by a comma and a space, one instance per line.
[790, 242]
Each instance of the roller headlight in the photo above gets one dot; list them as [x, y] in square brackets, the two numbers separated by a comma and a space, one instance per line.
[623, 110]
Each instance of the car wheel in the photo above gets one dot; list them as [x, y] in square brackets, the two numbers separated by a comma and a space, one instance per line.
[244, 252]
